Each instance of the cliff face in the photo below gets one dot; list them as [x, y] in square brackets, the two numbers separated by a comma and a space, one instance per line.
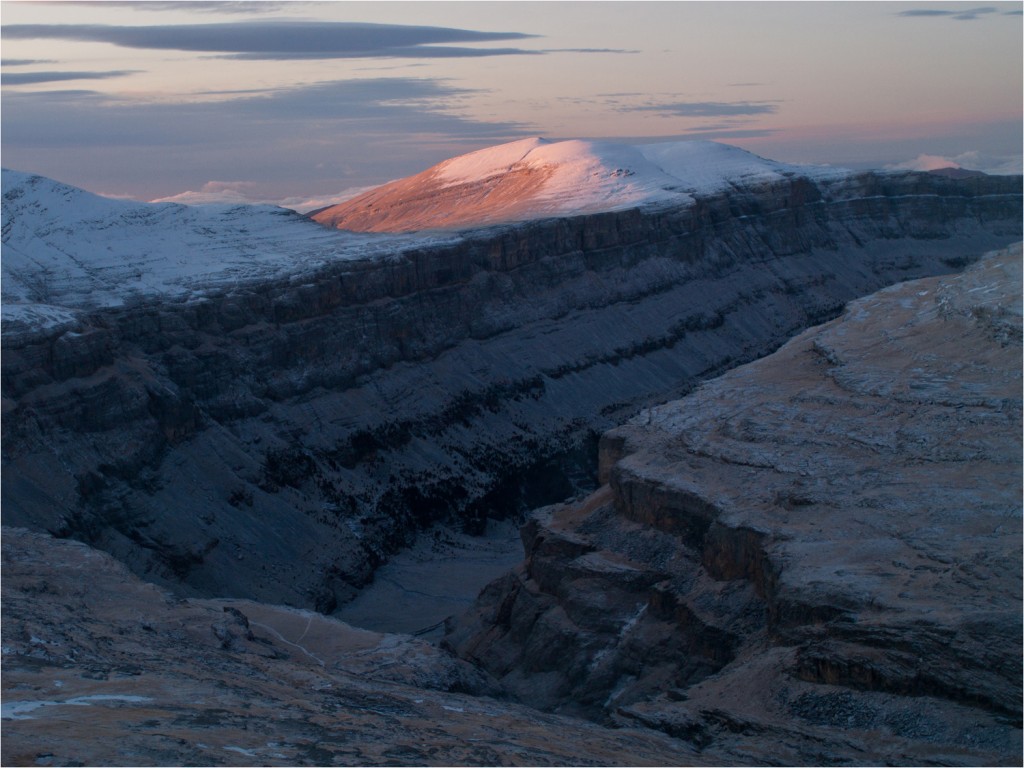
[812, 559]
[278, 439]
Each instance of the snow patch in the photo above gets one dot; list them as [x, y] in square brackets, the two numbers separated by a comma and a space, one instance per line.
[19, 710]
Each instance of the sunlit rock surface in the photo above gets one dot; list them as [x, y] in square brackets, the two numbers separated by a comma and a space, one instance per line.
[814, 558]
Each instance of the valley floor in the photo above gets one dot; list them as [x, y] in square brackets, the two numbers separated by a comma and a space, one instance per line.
[439, 576]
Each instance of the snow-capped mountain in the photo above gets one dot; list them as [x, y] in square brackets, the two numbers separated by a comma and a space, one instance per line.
[535, 178]
[66, 249]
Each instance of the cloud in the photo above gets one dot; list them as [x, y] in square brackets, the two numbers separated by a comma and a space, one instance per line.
[215, 192]
[925, 12]
[709, 108]
[972, 160]
[411, 52]
[24, 62]
[247, 192]
[332, 135]
[742, 133]
[278, 39]
[730, 133]
[968, 14]
[925, 163]
[32, 78]
[390, 105]
[589, 50]
[219, 6]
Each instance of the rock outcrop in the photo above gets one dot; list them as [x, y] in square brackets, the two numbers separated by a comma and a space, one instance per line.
[812, 559]
[277, 438]
[102, 669]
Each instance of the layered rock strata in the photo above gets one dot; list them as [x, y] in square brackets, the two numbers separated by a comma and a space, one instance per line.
[277, 439]
[102, 669]
[812, 559]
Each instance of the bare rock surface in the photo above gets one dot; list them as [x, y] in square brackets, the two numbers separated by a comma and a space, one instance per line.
[814, 558]
[100, 668]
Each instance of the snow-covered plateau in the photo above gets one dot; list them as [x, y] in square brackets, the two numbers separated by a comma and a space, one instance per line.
[65, 249]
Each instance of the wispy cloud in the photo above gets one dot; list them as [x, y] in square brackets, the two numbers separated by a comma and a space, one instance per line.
[973, 160]
[392, 105]
[590, 50]
[248, 192]
[708, 108]
[334, 134]
[198, 6]
[219, 6]
[33, 78]
[730, 133]
[279, 39]
[410, 52]
[965, 14]
[24, 62]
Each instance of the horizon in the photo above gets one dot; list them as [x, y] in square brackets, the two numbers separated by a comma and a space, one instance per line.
[310, 102]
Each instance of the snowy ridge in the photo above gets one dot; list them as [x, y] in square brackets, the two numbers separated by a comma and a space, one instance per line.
[65, 249]
[590, 172]
[533, 178]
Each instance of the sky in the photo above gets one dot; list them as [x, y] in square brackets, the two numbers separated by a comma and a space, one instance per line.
[303, 103]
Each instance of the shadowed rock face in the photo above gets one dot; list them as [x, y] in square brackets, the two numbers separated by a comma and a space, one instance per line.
[814, 558]
[278, 441]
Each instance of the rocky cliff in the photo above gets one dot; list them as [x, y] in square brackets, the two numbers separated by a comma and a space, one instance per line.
[812, 559]
[276, 437]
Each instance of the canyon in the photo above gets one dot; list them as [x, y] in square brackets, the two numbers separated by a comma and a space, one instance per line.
[820, 550]
[813, 559]
[256, 440]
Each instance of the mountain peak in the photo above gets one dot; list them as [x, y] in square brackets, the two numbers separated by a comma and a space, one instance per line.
[537, 178]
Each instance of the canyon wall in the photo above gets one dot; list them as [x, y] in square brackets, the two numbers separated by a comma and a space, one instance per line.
[279, 439]
[812, 559]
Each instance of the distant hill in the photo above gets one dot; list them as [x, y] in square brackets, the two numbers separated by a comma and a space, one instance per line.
[958, 173]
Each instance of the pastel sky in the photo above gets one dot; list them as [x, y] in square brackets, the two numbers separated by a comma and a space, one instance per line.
[302, 102]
